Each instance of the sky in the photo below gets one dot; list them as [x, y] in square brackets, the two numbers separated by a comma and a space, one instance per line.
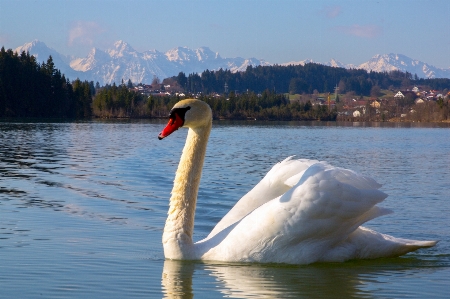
[277, 31]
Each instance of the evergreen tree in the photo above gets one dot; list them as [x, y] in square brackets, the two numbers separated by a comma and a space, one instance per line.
[182, 80]
[28, 89]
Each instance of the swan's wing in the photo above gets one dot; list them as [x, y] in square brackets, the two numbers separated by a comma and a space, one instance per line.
[283, 176]
[319, 212]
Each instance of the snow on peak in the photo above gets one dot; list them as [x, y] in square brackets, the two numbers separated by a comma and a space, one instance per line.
[121, 49]
[42, 52]
[34, 44]
[403, 63]
[184, 54]
[38, 49]
[95, 57]
[205, 53]
[301, 62]
[334, 63]
[179, 54]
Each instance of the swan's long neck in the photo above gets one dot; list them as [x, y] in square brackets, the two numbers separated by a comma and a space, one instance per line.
[179, 228]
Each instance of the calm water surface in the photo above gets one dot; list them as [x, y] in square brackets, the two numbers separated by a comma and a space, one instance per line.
[83, 205]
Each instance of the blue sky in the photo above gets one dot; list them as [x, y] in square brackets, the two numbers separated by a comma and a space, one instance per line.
[277, 31]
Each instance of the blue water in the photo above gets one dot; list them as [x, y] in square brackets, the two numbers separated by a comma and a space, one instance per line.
[83, 205]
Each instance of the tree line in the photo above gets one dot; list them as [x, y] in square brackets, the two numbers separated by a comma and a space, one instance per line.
[267, 105]
[299, 79]
[119, 101]
[31, 89]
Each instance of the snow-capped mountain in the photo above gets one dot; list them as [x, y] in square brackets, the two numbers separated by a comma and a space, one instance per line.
[300, 62]
[333, 63]
[121, 61]
[387, 63]
[41, 52]
[390, 62]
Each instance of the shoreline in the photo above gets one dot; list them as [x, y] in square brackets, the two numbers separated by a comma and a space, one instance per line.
[338, 120]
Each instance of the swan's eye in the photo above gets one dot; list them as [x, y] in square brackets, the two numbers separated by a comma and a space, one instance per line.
[181, 112]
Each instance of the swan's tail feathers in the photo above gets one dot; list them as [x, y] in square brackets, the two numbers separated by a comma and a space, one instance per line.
[377, 245]
[421, 244]
[410, 245]
[365, 243]
[403, 246]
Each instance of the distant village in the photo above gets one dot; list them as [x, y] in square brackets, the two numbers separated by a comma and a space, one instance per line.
[158, 90]
[414, 104]
[403, 105]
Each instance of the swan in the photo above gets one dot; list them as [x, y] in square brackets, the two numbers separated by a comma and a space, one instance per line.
[301, 212]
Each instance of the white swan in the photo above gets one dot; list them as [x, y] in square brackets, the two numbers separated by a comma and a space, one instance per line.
[301, 212]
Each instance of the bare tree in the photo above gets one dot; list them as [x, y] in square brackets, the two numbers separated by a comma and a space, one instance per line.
[156, 82]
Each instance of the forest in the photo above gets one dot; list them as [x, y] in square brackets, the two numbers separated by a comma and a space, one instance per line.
[118, 101]
[303, 79]
[30, 89]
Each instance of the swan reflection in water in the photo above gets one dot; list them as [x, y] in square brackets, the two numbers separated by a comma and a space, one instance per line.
[348, 280]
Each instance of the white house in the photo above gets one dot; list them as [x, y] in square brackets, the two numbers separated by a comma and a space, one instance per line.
[399, 95]
[419, 101]
[415, 89]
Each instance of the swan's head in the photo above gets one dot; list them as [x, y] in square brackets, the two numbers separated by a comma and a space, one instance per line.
[189, 113]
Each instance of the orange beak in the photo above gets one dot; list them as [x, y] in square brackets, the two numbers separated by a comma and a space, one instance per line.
[175, 122]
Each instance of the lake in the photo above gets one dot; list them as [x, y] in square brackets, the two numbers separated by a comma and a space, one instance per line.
[83, 206]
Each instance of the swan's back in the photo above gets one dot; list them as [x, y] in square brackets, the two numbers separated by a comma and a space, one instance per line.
[305, 211]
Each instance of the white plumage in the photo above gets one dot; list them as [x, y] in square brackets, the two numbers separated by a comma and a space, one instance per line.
[302, 211]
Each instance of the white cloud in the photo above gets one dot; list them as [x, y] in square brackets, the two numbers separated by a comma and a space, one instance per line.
[84, 33]
[367, 31]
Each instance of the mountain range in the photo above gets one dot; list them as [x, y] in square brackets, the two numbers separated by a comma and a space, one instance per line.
[121, 61]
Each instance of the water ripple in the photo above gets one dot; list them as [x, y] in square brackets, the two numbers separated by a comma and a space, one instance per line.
[83, 205]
